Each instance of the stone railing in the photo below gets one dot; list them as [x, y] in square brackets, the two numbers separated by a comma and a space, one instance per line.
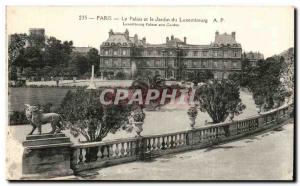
[101, 154]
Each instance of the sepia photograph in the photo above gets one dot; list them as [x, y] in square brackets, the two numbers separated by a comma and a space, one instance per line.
[147, 93]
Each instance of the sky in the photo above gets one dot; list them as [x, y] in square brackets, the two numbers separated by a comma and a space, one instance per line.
[269, 30]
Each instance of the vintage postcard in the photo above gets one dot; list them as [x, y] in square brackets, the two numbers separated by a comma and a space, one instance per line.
[150, 93]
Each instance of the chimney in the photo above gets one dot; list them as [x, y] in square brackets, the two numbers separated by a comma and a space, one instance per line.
[144, 40]
[167, 39]
[172, 37]
[233, 35]
[184, 40]
[217, 33]
[136, 39]
[127, 34]
[110, 32]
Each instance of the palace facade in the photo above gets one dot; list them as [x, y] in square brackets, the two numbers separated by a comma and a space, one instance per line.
[174, 59]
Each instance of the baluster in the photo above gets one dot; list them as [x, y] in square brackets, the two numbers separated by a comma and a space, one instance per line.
[180, 141]
[209, 134]
[184, 138]
[158, 143]
[99, 154]
[110, 150]
[122, 149]
[154, 144]
[149, 144]
[171, 142]
[167, 142]
[127, 149]
[163, 144]
[132, 148]
[105, 152]
[83, 155]
[80, 156]
[176, 143]
[117, 150]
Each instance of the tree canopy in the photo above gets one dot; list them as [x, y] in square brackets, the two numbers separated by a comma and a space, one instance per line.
[219, 98]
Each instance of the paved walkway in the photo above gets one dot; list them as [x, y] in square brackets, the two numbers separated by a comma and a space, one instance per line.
[267, 156]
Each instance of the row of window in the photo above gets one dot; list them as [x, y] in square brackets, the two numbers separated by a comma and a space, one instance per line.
[220, 53]
[159, 63]
[215, 64]
[116, 63]
[123, 52]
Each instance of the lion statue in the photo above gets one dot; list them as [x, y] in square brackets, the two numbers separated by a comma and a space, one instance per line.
[36, 118]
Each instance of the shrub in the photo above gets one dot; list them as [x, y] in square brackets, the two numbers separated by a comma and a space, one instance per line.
[18, 118]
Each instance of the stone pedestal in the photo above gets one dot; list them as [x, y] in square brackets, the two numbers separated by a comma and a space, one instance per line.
[46, 155]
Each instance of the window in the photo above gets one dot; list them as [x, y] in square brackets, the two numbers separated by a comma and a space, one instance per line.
[124, 63]
[215, 64]
[124, 52]
[149, 52]
[215, 54]
[234, 64]
[151, 63]
[204, 53]
[158, 52]
[195, 53]
[157, 63]
[115, 52]
[195, 63]
[115, 63]
[204, 64]
[106, 62]
[185, 63]
[225, 54]
[105, 52]
[225, 64]
[235, 54]
[171, 53]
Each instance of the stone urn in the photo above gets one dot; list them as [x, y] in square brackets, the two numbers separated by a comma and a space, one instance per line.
[231, 116]
[138, 127]
[192, 122]
[138, 117]
[258, 109]
[192, 113]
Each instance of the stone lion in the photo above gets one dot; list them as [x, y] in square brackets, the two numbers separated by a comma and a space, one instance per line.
[36, 118]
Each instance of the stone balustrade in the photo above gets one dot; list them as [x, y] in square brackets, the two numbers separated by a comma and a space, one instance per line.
[101, 154]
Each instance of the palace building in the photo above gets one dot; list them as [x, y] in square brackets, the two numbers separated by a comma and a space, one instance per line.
[174, 59]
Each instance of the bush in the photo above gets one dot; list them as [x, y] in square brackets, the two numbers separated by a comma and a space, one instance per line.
[18, 118]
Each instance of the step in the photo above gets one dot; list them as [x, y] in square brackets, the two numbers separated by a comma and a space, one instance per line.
[41, 136]
[46, 141]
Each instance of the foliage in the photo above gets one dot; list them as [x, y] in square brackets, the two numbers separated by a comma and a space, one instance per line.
[138, 115]
[17, 118]
[269, 80]
[93, 58]
[219, 98]
[203, 76]
[120, 75]
[88, 117]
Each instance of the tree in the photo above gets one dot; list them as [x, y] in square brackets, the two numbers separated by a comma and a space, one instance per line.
[16, 44]
[120, 75]
[219, 98]
[16, 48]
[203, 76]
[93, 58]
[79, 64]
[56, 52]
[86, 116]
